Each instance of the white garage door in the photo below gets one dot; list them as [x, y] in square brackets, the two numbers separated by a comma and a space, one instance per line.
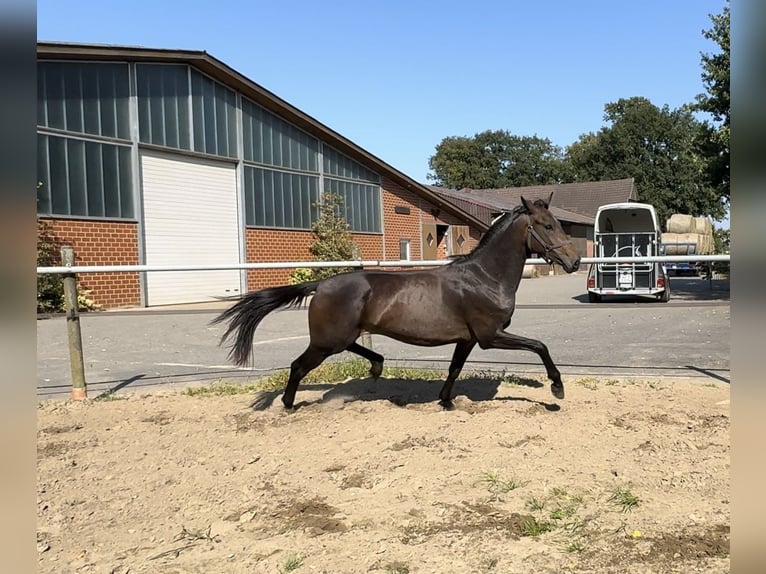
[190, 218]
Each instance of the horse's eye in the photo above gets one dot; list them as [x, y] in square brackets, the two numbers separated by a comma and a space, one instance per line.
[549, 227]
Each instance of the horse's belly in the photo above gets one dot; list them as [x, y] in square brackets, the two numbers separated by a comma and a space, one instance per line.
[419, 327]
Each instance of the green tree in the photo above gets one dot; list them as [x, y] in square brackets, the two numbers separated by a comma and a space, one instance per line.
[495, 159]
[332, 240]
[659, 147]
[717, 102]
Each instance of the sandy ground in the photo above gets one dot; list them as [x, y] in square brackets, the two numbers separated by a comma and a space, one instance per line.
[621, 476]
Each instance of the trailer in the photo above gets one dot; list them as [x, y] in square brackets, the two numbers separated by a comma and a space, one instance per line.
[627, 230]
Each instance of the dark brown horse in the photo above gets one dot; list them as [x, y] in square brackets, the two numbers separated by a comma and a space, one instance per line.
[467, 302]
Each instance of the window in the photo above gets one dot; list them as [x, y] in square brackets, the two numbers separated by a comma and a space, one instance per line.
[270, 140]
[88, 98]
[163, 105]
[404, 249]
[85, 178]
[280, 199]
[214, 114]
[337, 164]
[362, 203]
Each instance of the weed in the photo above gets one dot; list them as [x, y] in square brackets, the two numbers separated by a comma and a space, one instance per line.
[293, 562]
[576, 546]
[588, 382]
[110, 396]
[219, 389]
[498, 486]
[534, 527]
[535, 504]
[611, 382]
[624, 498]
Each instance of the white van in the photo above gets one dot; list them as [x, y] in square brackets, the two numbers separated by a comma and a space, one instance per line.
[627, 230]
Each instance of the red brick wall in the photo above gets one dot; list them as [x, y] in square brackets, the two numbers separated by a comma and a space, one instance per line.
[103, 243]
[398, 226]
[264, 245]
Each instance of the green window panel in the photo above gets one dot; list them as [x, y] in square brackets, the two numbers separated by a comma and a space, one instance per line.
[163, 105]
[361, 201]
[214, 116]
[338, 165]
[269, 140]
[84, 178]
[87, 98]
[280, 199]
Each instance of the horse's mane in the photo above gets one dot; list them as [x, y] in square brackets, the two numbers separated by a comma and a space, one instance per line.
[502, 222]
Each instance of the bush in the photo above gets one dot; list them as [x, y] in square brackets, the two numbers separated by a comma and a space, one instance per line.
[332, 241]
[50, 288]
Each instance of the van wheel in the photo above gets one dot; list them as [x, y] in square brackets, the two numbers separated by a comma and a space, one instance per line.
[593, 297]
[664, 297]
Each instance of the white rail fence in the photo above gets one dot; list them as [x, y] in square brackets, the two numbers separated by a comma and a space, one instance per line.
[361, 264]
[70, 271]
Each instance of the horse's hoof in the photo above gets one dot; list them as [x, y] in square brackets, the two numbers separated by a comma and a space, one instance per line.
[376, 370]
[447, 405]
[558, 391]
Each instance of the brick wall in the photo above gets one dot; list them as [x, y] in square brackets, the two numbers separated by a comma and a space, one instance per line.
[103, 243]
[264, 245]
[398, 226]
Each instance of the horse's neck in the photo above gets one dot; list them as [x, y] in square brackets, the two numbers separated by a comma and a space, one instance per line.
[504, 258]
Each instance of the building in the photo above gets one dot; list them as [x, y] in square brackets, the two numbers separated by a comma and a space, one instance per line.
[170, 157]
[573, 204]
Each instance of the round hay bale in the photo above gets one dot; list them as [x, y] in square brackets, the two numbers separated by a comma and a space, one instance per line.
[704, 225]
[681, 223]
[676, 243]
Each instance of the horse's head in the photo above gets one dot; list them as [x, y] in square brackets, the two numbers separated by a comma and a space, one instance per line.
[546, 237]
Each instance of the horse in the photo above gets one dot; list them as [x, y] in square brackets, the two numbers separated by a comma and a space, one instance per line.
[468, 302]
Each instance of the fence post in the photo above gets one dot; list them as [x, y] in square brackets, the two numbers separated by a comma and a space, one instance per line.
[72, 308]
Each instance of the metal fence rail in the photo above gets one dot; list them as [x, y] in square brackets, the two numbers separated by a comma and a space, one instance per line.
[361, 264]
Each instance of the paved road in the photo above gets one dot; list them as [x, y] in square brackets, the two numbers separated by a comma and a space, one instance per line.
[131, 349]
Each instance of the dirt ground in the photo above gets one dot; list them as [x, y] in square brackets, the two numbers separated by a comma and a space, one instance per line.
[621, 476]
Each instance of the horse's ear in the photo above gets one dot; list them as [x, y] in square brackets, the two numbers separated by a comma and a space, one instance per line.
[550, 199]
[526, 204]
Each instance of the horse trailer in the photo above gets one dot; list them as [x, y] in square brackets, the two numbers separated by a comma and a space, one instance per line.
[627, 230]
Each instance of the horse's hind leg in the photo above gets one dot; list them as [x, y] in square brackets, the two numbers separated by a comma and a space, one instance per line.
[300, 367]
[459, 357]
[376, 360]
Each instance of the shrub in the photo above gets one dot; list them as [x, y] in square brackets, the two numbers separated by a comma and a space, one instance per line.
[332, 240]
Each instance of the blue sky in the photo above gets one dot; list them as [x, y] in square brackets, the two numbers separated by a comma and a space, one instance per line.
[398, 76]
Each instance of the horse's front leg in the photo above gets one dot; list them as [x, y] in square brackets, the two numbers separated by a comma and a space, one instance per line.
[503, 340]
[459, 357]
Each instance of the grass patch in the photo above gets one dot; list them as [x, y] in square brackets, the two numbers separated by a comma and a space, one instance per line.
[338, 371]
[328, 372]
[496, 485]
[397, 568]
[588, 382]
[110, 396]
[534, 527]
[293, 562]
[624, 498]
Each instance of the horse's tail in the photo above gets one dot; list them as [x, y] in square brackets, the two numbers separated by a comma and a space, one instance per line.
[247, 314]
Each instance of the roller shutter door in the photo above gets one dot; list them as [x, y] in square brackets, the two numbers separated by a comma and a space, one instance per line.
[190, 218]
